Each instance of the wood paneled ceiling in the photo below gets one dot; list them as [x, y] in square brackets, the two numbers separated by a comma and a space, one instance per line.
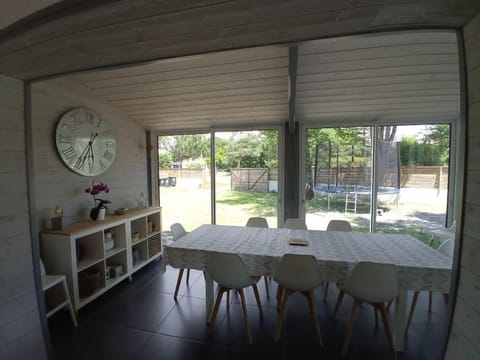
[247, 87]
[340, 76]
[77, 35]
[394, 76]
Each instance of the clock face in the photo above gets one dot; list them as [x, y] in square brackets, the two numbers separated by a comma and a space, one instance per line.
[85, 142]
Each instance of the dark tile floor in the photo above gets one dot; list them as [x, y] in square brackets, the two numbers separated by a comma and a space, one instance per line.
[140, 320]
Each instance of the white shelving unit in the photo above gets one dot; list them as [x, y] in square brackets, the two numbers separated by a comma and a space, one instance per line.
[78, 251]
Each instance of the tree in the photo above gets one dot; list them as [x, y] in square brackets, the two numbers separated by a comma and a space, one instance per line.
[245, 151]
[439, 135]
[387, 133]
[182, 147]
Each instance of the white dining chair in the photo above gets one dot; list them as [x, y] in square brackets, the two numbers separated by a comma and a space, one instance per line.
[375, 284]
[48, 282]
[336, 225]
[178, 231]
[257, 222]
[446, 248]
[260, 222]
[287, 277]
[230, 272]
[295, 223]
[339, 225]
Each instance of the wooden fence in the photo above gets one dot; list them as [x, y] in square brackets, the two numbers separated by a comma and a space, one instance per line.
[261, 179]
[425, 177]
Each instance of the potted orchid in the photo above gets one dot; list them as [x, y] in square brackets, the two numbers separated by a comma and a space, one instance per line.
[100, 209]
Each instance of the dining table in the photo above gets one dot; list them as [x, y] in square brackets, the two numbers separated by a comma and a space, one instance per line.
[419, 267]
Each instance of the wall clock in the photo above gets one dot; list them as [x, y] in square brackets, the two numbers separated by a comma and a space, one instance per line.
[85, 142]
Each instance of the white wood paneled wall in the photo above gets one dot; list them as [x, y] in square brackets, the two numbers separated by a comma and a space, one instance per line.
[55, 184]
[463, 342]
[20, 330]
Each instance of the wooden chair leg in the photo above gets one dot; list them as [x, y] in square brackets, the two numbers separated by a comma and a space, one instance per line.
[211, 322]
[188, 275]
[179, 280]
[348, 333]
[257, 298]
[283, 311]
[311, 303]
[228, 299]
[429, 301]
[383, 313]
[266, 287]
[390, 304]
[412, 309]
[245, 316]
[341, 294]
[279, 295]
[325, 292]
[375, 310]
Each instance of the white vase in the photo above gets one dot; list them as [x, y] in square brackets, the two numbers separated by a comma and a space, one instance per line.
[101, 214]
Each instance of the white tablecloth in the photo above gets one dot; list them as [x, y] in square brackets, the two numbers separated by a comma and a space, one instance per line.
[419, 266]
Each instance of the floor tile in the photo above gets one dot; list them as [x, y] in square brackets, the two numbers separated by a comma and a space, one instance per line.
[141, 320]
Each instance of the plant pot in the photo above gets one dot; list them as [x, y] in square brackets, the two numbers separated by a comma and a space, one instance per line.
[98, 214]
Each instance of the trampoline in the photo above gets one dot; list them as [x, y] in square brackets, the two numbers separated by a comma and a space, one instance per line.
[351, 181]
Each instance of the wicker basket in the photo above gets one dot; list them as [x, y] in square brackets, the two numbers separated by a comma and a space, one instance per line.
[154, 245]
[88, 283]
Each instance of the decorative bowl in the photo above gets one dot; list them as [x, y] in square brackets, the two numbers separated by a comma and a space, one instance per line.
[120, 211]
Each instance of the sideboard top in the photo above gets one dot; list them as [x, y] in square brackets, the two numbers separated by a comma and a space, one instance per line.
[110, 220]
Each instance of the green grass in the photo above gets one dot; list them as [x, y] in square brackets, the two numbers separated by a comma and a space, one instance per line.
[337, 204]
[259, 203]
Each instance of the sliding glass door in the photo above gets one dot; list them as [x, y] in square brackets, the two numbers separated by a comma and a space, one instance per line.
[410, 178]
[245, 172]
[338, 176]
[184, 180]
[246, 178]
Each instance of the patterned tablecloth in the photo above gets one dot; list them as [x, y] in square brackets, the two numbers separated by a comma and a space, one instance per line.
[419, 267]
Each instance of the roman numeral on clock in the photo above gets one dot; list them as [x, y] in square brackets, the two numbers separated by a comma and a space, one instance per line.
[108, 155]
[69, 153]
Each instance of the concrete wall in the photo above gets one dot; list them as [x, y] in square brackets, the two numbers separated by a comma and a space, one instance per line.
[20, 330]
[55, 184]
[463, 342]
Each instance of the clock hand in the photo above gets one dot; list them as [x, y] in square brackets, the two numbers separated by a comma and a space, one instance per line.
[92, 158]
[88, 148]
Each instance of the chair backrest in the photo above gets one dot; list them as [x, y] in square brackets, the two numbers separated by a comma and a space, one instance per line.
[298, 272]
[228, 270]
[257, 222]
[177, 230]
[42, 268]
[446, 247]
[295, 223]
[373, 282]
[339, 225]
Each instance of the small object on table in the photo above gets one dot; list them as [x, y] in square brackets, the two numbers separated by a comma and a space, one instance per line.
[298, 242]
[57, 223]
[57, 220]
[121, 211]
